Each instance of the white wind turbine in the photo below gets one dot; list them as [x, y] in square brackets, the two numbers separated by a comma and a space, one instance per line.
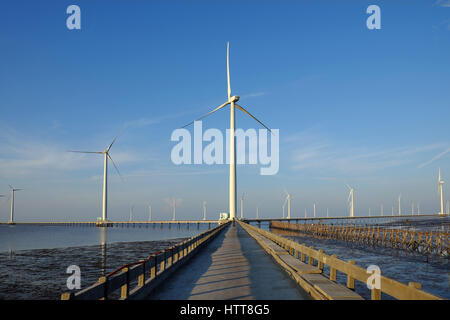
[440, 188]
[12, 190]
[204, 210]
[232, 102]
[149, 212]
[131, 213]
[399, 204]
[242, 206]
[105, 176]
[352, 203]
[288, 201]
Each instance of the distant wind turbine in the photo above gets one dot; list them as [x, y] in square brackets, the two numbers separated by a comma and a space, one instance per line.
[232, 102]
[204, 210]
[242, 206]
[381, 210]
[149, 212]
[352, 203]
[288, 201]
[12, 190]
[314, 208]
[440, 187]
[105, 176]
[306, 214]
[131, 213]
[399, 204]
[257, 213]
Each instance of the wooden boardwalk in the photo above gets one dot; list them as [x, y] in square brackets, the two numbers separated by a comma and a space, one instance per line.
[232, 266]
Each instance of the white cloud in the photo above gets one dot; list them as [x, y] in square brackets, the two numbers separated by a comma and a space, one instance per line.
[440, 155]
[442, 3]
[313, 151]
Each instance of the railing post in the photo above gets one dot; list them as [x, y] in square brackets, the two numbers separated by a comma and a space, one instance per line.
[303, 255]
[163, 261]
[375, 294]
[141, 277]
[310, 258]
[319, 261]
[125, 288]
[154, 270]
[350, 279]
[105, 291]
[333, 273]
[170, 258]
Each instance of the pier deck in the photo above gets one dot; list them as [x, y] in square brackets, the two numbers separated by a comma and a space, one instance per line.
[232, 266]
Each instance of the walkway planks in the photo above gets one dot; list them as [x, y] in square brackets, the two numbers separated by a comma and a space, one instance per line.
[232, 266]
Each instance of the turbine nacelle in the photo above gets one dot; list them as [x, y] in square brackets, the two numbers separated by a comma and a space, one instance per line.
[233, 99]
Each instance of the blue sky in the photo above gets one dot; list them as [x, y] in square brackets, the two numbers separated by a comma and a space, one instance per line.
[364, 107]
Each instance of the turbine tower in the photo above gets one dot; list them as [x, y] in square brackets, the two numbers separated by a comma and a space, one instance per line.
[174, 210]
[12, 190]
[204, 210]
[242, 206]
[149, 212]
[131, 213]
[288, 201]
[352, 203]
[314, 208]
[105, 176]
[232, 102]
[440, 187]
[399, 205]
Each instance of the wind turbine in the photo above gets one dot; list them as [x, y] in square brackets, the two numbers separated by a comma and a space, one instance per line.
[306, 214]
[242, 206]
[381, 210]
[399, 205]
[204, 210]
[288, 201]
[232, 102]
[131, 213]
[257, 213]
[12, 190]
[314, 208]
[149, 212]
[105, 176]
[174, 210]
[352, 203]
[440, 187]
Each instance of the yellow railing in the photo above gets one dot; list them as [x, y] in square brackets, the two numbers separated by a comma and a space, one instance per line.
[427, 242]
[353, 272]
[148, 272]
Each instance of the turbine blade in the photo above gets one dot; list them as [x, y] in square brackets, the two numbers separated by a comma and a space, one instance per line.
[205, 115]
[117, 169]
[86, 151]
[242, 109]
[115, 138]
[348, 187]
[285, 200]
[228, 71]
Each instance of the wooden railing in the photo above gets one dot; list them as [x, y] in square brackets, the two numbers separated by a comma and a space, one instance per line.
[427, 242]
[145, 274]
[353, 272]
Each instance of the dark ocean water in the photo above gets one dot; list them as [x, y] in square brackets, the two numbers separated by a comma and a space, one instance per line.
[34, 259]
